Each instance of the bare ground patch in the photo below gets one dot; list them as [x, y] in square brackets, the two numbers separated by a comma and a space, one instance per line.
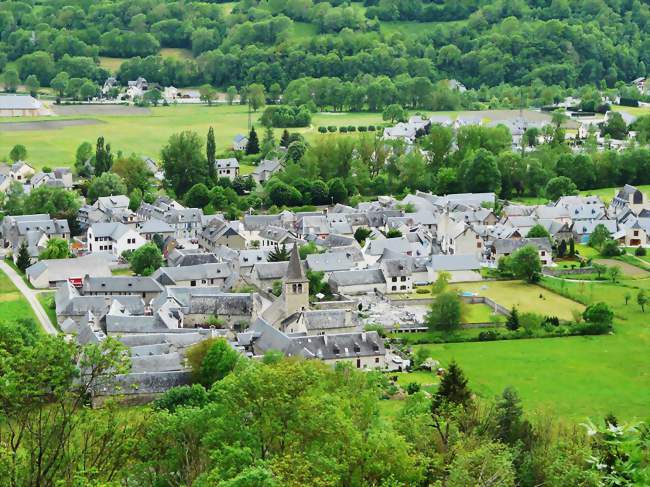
[46, 124]
[627, 269]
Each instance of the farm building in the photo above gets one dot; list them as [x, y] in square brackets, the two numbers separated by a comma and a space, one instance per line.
[21, 106]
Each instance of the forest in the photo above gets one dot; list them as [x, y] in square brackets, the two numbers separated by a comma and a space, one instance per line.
[563, 43]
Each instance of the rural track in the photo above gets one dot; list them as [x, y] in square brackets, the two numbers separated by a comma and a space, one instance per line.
[30, 295]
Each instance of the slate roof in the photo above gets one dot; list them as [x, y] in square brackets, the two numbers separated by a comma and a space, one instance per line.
[154, 225]
[295, 272]
[115, 230]
[114, 284]
[327, 319]
[19, 102]
[507, 246]
[358, 278]
[457, 262]
[231, 162]
[195, 272]
[271, 270]
[329, 262]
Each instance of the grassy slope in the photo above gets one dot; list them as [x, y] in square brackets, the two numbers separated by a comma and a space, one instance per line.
[572, 377]
[13, 304]
[145, 135]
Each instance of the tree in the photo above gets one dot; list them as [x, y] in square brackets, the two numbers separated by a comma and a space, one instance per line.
[615, 126]
[642, 299]
[231, 94]
[256, 96]
[184, 396]
[598, 314]
[87, 90]
[560, 186]
[393, 233]
[441, 283]
[282, 194]
[284, 140]
[103, 157]
[394, 112]
[481, 172]
[83, 157]
[146, 259]
[512, 322]
[453, 389]
[599, 268]
[361, 234]
[108, 184]
[210, 152]
[598, 236]
[296, 150]
[18, 153]
[253, 144]
[152, 96]
[525, 263]
[614, 273]
[512, 428]
[33, 85]
[561, 248]
[57, 248]
[134, 172]
[278, 254]
[218, 362]
[11, 80]
[538, 231]
[207, 94]
[337, 191]
[445, 312]
[183, 161]
[610, 248]
[268, 143]
[60, 83]
[198, 196]
[23, 261]
[486, 464]
[627, 297]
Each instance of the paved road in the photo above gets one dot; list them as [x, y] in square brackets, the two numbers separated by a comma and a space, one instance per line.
[30, 295]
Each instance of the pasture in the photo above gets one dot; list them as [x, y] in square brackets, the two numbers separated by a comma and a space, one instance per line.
[144, 131]
[572, 377]
[13, 304]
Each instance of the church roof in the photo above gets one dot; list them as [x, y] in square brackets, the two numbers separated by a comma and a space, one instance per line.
[295, 271]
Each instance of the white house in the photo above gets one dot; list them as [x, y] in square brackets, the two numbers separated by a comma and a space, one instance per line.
[112, 237]
[240, 142]
[227, 168]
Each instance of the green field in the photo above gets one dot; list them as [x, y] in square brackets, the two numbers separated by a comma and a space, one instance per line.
[13, 304]
[412, 28]
[607, 194]
[527, 298]
[146, 134]
[573, 377]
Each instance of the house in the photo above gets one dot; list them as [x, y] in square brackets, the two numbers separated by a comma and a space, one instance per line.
[227, 168]
[136, 89]
[461, 268]
[264, 274]
[398, 275]
[357, 282]
[265, 169]
[18, 171]
[187, 222]
[21, 106]
[220, 275]
[272, 235]
[153, 227]
[582, 230]
[240, 142]
[221, 233]
[113, 238]
[364, 350]
[109, 84]
[184, 257]
[50, 273]
[330, 262]
[34, 230]
[631, 197]
[61, 177]
[638, 233]
[146, 288]
[107, 209]
[505, 247]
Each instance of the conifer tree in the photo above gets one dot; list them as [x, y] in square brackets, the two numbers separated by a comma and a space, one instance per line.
[23, 261]
[512, 323]
[285, 141]
[253, 145]
[211, 150]
[453, 389]
[278, 254]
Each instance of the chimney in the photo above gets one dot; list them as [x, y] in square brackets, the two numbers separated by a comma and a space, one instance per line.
[363, 336]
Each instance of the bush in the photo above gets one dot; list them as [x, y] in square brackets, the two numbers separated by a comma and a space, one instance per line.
[361, 128]
[322, 130]
[592, 328]
[412, 388]
[488, 336]
[422, 290]
[352, 128]
[343, 130]
[640, 251]
[610, 249]
[331, 128]
[184, 396]
[371, 128]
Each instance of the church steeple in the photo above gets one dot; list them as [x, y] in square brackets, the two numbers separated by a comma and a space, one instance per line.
[295, 285]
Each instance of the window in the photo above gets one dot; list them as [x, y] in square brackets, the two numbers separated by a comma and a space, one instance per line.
[478, 245]
[402, 288]
[394, 288]
[403, 278]
[358, 363]
[394, 279]
[636, 233]
[376, 360]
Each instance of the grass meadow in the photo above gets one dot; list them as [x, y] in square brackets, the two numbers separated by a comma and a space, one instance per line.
[13, 304]
[146, 134]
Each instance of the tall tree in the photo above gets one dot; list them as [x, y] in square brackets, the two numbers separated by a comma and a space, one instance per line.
[183, 161]
[284, 140]
[103, 157]
[23, 261]
[210, 152]
[453, 389]
[253, 145]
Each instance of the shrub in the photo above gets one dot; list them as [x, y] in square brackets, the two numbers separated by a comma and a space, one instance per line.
[361, 128]
[322, 130]
[488, 336]
[343, 130]
[352, 128]
[184, 396]
[331, 128]
[640, 251]
[422, 290]
[412, 388]
[371, 128]
[610, 249]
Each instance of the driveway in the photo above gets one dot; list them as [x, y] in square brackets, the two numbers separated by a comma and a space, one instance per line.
[30, 295]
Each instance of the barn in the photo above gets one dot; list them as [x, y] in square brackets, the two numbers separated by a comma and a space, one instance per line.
[20, 106]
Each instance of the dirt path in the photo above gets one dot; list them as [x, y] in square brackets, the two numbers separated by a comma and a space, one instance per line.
[30, 295]
[628, 269]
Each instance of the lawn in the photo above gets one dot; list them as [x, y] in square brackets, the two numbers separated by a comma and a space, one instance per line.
[176, 52]
[478, 313]
[146, 134]
[571, 377]
[526, 297]
[46, 299]
[13, 304]
[607, 194]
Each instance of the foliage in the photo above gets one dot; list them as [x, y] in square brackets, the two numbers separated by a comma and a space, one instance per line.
[23, 260]
[18, 153]
[253, 144]
[278, 254]
[525, 263]
[57, 248]
[361, 234]
[286, 116]
[598, 236]
[538, 231]
[445, 312]
[108, 184]
[610, 249]
[146, 260]
[559, 186]
[183, 162]
[194, 396]
[134, 172]
[220, 359]
[512, 323]
[453, 389]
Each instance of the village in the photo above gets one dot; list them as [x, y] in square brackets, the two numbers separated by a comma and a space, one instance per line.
[248, 280]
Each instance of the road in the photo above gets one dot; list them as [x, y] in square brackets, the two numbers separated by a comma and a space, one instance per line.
[30, 295]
